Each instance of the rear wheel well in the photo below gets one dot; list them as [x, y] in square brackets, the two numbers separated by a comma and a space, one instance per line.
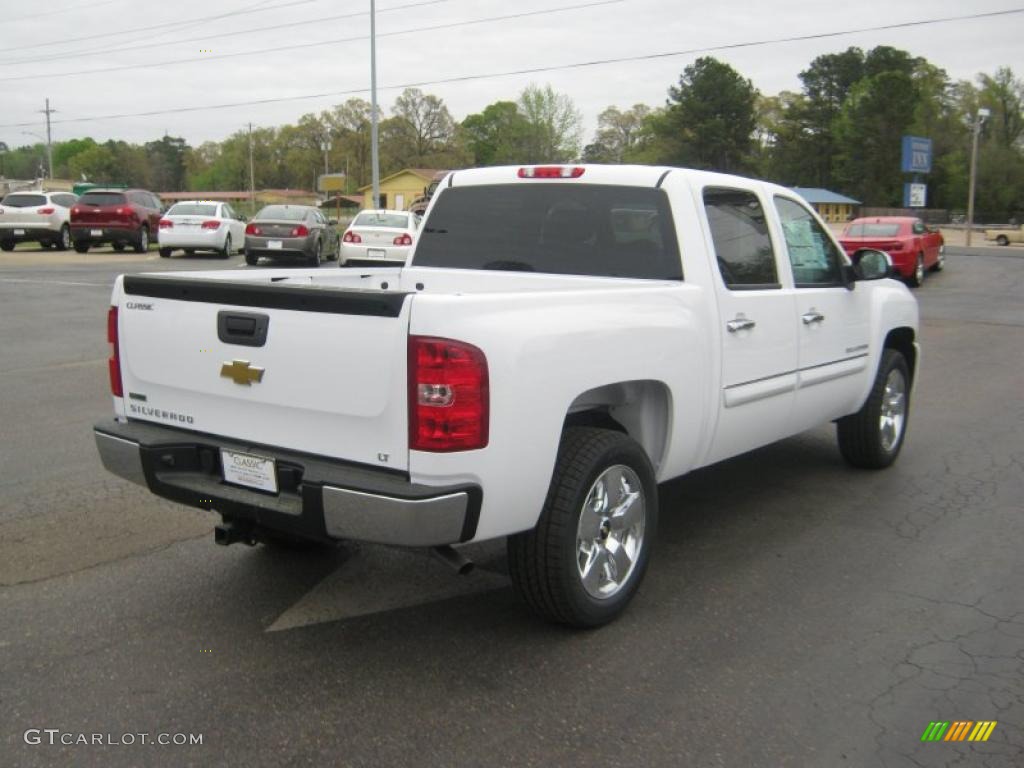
[902, 340]
[640, 409]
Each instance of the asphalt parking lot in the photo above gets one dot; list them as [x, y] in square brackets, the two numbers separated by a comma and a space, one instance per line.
[796, 612]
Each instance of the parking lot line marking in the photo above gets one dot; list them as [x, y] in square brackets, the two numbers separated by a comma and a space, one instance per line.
[53, 282]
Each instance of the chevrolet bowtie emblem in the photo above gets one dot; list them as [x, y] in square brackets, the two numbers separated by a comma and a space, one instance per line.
[240, 372]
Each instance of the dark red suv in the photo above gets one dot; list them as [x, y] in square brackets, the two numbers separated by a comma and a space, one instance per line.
[120, 217]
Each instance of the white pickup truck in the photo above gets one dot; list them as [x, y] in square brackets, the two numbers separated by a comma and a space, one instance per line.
[562, 339]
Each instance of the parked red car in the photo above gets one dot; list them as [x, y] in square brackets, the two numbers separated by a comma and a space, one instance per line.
[121, 217]
[913, 246]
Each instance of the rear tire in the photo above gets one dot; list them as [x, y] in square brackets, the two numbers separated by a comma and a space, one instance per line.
[314, 260]
[585, 560]
[872, 437]
[1003, 240]
[225, 252]
[142, 244]
[165, 253]
[63, 241]
[119, 247]
[916, 278]
[81, 247]
[6, 245]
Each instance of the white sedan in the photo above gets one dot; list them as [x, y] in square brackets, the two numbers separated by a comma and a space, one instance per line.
[201, 225]
[379, 237]
[40, 216]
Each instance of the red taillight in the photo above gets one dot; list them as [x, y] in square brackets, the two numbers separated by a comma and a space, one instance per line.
[166, 224]
[114, 363]
[449, 395]
[551, 172]
[299, 231]
[252, 229]
[46, 211]
[75, 211]
[403, 239]
[211, 224]
[351, 237]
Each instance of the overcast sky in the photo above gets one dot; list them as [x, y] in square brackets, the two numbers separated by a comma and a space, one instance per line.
[170, 67]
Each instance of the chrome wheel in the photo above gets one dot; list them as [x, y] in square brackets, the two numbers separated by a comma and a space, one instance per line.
[893, 412]
[610, 533]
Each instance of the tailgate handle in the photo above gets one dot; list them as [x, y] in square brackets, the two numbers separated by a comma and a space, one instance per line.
[248, 329]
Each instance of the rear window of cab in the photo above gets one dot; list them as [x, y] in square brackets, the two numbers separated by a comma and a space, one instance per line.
[570, 229]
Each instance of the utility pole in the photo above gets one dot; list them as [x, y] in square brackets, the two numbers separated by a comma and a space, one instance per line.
[976, 129]
[252, 178]
[374, 154]
[49, 143]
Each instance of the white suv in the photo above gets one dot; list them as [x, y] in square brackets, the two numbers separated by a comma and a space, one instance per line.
[42, 217]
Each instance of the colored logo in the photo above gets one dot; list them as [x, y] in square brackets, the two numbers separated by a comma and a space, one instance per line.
[959, 730]
[240, 372]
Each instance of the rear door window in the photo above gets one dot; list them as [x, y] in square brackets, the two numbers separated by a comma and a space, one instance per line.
[571, 229]
[743, 247]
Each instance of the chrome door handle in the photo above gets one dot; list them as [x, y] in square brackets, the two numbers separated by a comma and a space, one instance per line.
[740, 324]
[812, 317]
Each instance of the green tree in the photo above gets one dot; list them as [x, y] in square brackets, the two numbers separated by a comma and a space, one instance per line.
[869, 131]
[708, 121]
[167, 163]
[553, 125]
[618, 136]
[497, 135]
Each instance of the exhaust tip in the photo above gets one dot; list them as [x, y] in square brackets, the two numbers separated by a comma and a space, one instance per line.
[454, 559]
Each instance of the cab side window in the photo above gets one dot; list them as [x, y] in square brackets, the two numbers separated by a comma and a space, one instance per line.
[815, 259]
[743, 247]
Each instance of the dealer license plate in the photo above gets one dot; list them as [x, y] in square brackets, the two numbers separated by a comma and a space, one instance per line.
[249, 470]
[96, 232]
[275, 244]
[376, 253]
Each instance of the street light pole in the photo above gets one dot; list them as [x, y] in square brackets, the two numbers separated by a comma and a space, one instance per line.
[374, 152]
[975, 130]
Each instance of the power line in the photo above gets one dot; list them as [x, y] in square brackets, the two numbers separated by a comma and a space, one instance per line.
[535, 70]
[306, 46]
[218, 36]
[187, 22]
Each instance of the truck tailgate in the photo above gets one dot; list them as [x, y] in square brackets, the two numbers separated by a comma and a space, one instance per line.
[319, 370]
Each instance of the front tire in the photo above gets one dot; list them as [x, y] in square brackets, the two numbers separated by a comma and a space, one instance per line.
[1003, 240]
[6, 245]
[118, 247]
[872, 437]
[585, 560]
[940, 262]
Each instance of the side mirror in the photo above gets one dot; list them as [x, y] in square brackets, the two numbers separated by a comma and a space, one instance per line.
[869, 264]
